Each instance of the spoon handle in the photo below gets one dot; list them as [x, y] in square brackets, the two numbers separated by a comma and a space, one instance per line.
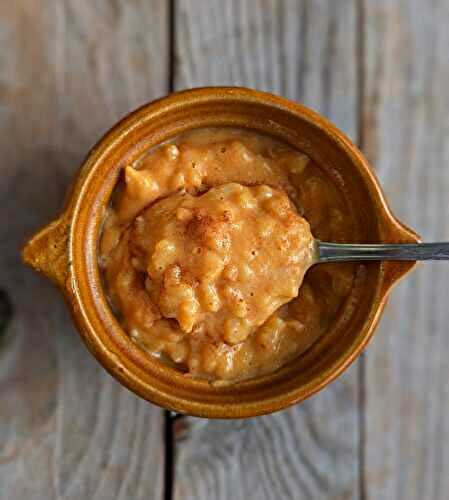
[339, 252]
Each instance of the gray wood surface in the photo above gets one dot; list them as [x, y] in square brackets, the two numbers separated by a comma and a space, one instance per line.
[68, 71]
[305, 50]
[405, 133]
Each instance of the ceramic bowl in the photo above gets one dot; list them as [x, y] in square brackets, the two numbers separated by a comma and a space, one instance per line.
[67, 251]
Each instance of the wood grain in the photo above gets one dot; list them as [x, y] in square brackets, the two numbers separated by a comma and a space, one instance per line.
[68, 71]
[305, 50]
[405, 132]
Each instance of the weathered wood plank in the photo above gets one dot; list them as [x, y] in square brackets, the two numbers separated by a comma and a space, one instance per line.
[305, 50]
[405, 130]
[68, 71]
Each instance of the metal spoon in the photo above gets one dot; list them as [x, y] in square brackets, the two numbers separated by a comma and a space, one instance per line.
[339, 252]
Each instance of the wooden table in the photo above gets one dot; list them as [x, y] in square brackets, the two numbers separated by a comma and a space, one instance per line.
[68, 70]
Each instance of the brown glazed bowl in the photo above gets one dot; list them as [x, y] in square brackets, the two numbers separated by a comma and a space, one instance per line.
[67, 250]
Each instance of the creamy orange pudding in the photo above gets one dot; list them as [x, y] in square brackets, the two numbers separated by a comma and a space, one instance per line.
[205, 247]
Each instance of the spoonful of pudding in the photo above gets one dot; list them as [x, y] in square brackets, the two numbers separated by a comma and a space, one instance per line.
[223, 261]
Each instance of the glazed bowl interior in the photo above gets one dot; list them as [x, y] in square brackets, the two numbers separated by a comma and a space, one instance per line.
[291, 123]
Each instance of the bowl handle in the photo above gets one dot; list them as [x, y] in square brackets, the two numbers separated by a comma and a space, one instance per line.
[394, 271]
[47, 251]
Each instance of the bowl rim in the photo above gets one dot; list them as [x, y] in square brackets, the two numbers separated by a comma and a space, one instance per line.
[82, 283]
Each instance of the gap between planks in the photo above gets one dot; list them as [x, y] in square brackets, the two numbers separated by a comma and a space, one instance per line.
[169, 417]
[361, 143]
